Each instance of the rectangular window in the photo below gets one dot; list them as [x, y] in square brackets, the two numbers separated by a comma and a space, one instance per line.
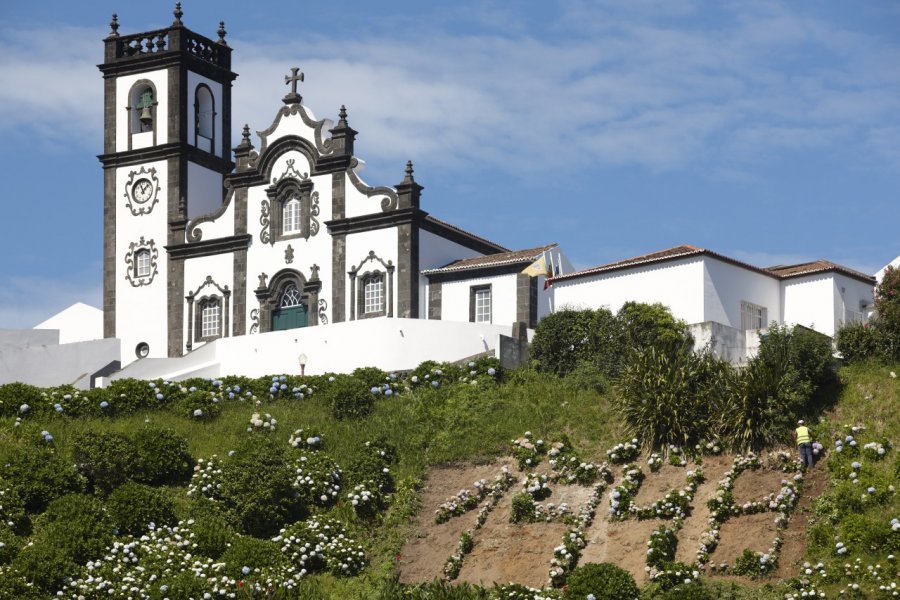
[209, 325]
[374, 295]
[752, 316]
[143, 264]
[481, 299]
[291, 217]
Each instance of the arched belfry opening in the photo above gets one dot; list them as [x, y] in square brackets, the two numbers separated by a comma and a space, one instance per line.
[204, 118]
[142, 114]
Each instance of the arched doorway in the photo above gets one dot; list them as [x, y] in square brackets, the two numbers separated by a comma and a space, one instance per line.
[291, 312]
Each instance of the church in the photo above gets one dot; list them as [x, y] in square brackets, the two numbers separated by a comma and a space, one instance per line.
[275, 256]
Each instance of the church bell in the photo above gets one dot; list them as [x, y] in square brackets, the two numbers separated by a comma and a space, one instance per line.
[146, 117]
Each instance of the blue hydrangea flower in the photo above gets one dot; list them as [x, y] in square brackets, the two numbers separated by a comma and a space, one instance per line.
[104, 404]
[58, 407]
[435, 383]
[492, 371]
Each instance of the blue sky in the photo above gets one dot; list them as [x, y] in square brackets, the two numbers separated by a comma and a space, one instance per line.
[769, 132]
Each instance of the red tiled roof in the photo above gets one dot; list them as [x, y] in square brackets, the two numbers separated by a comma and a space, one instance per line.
[493, 260]
[817, 266]
[685, 250]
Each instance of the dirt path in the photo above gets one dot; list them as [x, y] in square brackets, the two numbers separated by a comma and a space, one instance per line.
[714, 468]
[793, 547]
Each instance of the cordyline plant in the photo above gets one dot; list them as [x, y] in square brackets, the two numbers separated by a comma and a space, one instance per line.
[670, 398]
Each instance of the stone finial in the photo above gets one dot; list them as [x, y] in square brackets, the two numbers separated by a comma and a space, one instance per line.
[114, 26]
[178, 14]
[222, 33]
[245, 135]
[342, 115]
[409, 172]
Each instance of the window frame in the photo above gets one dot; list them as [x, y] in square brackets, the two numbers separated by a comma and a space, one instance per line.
[474, 291]
[753, 314]
[362, 280]
[138, 255]
[204, 303]
[212, 117]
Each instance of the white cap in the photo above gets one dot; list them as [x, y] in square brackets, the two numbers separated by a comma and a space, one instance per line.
[800, 422]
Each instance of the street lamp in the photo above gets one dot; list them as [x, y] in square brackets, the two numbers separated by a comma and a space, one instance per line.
[302, 360]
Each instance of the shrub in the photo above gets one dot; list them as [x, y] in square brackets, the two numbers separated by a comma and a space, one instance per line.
[887, 307]
[857, 342]
[130, 395]
[77, 524]
[257, 486]
[317, 479]
[162, 456]
[212, 531]
[605, 581]
[14, 395]
[370, 464]
[561, 340]
[107, 459]
[133, 506]
[523, 510]
[39, 475]
[350, 398]
[252, 554]
[10, 544]
[203, 405]
[370, 376]
[45, 565]
[653, 326]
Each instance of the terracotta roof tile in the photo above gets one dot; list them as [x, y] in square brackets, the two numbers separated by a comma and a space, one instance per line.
[493, 260]
[779, 272]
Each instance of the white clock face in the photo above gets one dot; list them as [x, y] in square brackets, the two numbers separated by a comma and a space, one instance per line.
[142, 191]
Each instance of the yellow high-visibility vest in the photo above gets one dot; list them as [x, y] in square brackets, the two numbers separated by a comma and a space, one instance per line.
[803, 435]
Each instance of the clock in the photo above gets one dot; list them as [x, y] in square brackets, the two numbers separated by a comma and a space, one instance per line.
[142, 190]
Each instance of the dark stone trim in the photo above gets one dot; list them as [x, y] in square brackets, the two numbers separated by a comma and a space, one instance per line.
[196, 318]
[164, 151]
[212, 139]
[269, 295]
[357, 299]
[240, 210]
[408, 270]
[240, 293]
[109, 253]
[157, 62]
[374, 221]
[322, 144]
[110, 109]
[479, 273]
[338, 196]
[460, 237]
[526, 299]
[386, 282]
[223, 245]
[472, 290]
[435, 299]
[175, 292]
[338, 280]
[176, 215]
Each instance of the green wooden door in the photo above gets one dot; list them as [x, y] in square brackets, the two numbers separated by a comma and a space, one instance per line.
[290, 318]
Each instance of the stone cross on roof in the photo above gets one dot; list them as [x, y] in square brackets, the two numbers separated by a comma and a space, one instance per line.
[293, 97]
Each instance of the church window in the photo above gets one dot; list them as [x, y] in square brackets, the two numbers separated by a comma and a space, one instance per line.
[142, 265]
[291, 297]
[373, 293]
[290, 217]
[204, 117]
[209, 315]
[752, 316]
[480, 304]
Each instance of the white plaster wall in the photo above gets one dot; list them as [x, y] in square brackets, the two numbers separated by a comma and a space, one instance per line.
[294, 125]
[358, 203]
[852, 294]
[389, 344]
[77, 323]
[726, 285]
[383, 242]
[434, 252]
[223, 226]
[221, 268]
[141, 314]
[160, 79]
[809, 301]
[270, 258]
[676, 284]
[455, 299]
[193, 81]
[204, 190]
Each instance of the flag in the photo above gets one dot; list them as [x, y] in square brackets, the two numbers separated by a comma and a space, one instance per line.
[538, 267]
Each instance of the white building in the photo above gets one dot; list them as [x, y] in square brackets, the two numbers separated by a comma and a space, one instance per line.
[723, 298]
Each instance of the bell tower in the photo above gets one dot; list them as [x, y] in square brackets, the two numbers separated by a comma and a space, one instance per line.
[166, 150]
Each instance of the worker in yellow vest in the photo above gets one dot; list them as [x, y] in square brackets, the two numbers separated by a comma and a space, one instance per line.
[804, 443]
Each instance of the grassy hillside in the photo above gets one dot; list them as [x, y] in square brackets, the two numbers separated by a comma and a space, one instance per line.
[454, 422]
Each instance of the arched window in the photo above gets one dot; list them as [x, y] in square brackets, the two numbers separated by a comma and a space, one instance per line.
[142, 266]
[290, 297]
[373, 293]
[290, 217]
[204, 118]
